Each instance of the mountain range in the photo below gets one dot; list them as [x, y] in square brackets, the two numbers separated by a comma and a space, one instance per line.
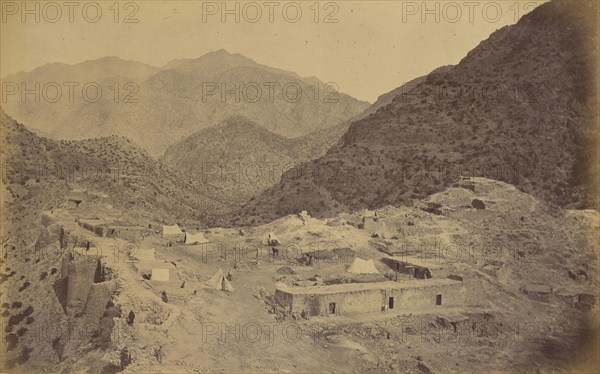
[242, 157]
[518, 108]
[155, 107]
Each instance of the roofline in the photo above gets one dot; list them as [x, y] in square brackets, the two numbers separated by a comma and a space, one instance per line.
[354, 287]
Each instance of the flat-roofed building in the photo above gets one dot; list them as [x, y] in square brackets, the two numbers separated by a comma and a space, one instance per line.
[356, 298]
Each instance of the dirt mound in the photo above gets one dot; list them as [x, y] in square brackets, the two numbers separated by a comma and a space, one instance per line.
[286, 270]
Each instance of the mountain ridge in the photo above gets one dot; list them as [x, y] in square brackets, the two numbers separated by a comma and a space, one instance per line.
[156, 106]
[516, 109]
[113, 166]
[243, 158]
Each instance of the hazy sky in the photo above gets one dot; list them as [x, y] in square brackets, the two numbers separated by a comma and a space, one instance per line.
[373, 47]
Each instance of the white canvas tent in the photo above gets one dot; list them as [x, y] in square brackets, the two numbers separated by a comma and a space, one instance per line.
[195, 238]
[360, 266]
[270, 239]
[172, 233]
[219, 282]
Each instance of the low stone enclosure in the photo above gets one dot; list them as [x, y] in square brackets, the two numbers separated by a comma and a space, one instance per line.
[110, 230]
[538, 292]
[356, 298]
[577, 298]
[415, 267]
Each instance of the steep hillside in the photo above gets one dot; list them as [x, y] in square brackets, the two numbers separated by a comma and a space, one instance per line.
[317, 143]
[109, 179]
[40, 172]
[236, 155]
[387, 98]
[243, 159]
[156, 108]
[517, 108]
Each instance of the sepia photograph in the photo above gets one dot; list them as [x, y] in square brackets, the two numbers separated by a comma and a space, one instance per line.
[310, 186]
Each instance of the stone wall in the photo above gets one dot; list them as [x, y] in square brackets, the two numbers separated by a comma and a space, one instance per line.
[371, 300]
[129, 234]
[82, 273]
[103, 229]
[416, 271]
[98, 297]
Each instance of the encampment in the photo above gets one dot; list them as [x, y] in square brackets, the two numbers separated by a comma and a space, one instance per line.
[270, 239]
[219, 282]
[360, 266]
[172, 233]
[195, 238]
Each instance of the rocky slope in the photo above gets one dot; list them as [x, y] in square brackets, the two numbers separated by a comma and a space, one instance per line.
[242, 158]
[517, 108]
[37, 171]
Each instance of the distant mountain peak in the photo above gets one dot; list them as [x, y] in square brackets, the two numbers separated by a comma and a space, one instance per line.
[220, 56]
[221, 51]
[108, 58]
[238, 120]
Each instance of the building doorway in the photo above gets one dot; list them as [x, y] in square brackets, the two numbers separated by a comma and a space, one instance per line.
[391, 302]
[332, 308]
[438, 299]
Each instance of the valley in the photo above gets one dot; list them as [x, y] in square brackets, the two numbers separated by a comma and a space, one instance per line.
[214, 214]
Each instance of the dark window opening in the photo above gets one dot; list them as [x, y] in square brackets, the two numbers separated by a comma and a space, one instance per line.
[331, 308]
[391, 302]
[438, 299]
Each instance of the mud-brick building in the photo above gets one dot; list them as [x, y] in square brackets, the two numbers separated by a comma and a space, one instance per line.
[356, 298]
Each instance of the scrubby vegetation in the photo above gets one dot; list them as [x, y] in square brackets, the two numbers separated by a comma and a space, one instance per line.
[517, 109]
